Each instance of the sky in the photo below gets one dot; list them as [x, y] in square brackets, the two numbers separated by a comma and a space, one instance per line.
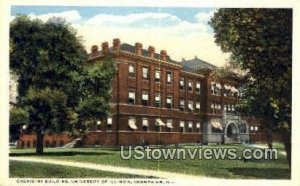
[182, 32]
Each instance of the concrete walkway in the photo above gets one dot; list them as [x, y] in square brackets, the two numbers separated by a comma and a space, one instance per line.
[109, 168]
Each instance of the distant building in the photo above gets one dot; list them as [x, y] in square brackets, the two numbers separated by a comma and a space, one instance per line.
[157, 100]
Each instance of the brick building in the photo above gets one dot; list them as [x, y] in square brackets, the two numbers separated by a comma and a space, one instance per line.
[157, 100]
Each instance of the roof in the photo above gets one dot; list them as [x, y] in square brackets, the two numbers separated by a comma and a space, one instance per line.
[196, 64]
[129, 48]
[188, 65]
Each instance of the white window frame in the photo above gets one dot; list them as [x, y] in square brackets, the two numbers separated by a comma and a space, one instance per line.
[145, 96]
[109, 120]
[181, 82]
[131, 69]
[169, 77]
[198, 105]
[198, 86]
[145, 72]
[190, 85]
[157, 74]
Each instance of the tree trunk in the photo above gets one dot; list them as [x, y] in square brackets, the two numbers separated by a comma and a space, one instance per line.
[39, 142]
[286, 138]
[269, 133]
[270, 138]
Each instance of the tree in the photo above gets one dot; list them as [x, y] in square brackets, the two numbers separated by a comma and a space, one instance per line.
[46, 57]
[18, 118]
[95, 89]
[260, 42]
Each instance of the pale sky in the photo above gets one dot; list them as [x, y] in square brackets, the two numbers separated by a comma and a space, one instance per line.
[183, 32]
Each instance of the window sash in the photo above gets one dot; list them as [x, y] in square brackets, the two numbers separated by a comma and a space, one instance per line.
[145, 122]
[131, 69]
[169, 100]
[145, 72]
[181, 124]
[157, 74]
[131, 95]
[181, 102]
[145, 96]
[109, 120]
[181, 82]
[169, 77]
[157, 97]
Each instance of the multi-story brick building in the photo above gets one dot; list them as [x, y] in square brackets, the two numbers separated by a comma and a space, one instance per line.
[157, 100]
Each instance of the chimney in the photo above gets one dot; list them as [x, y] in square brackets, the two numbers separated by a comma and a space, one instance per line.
[105, 47]
[163, 55]
[116, 44]
[138, 48]
[151, 51]
[94, 50]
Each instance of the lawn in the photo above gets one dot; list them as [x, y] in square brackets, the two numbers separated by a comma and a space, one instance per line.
[19, 169]
[231, 169]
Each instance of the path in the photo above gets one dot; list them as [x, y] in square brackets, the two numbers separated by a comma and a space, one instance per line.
[124, 170]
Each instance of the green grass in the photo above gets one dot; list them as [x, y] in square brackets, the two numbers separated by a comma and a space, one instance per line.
[19, 169]
[231, 169]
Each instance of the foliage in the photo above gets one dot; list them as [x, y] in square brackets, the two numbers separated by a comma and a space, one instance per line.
[95, 89]
[47, 109]
[58, 89]
[45, 55]
[18, 116]
[260, 43]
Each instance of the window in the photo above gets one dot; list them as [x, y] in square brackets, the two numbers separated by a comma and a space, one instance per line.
[190, 126]
[131, 97]
[190, 85]
[191, 106]
[157, 75]
[181, 84]
[145, 73]
[145, 124]
[109, 124]
[198, 85]
[132, 123]
[145, 98]
[218, 89]
[169, 77]
[232, 108]
[169, 102]
[157, 100]
[216, 108]
[212, 108]
[198, 127]
[131, 71]
[181, 105]
[169, 125]
[198, 105]
[212, 89]
[181, 125]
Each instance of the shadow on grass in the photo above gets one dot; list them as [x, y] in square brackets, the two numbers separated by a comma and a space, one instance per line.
[262, 173]
[64, 153]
